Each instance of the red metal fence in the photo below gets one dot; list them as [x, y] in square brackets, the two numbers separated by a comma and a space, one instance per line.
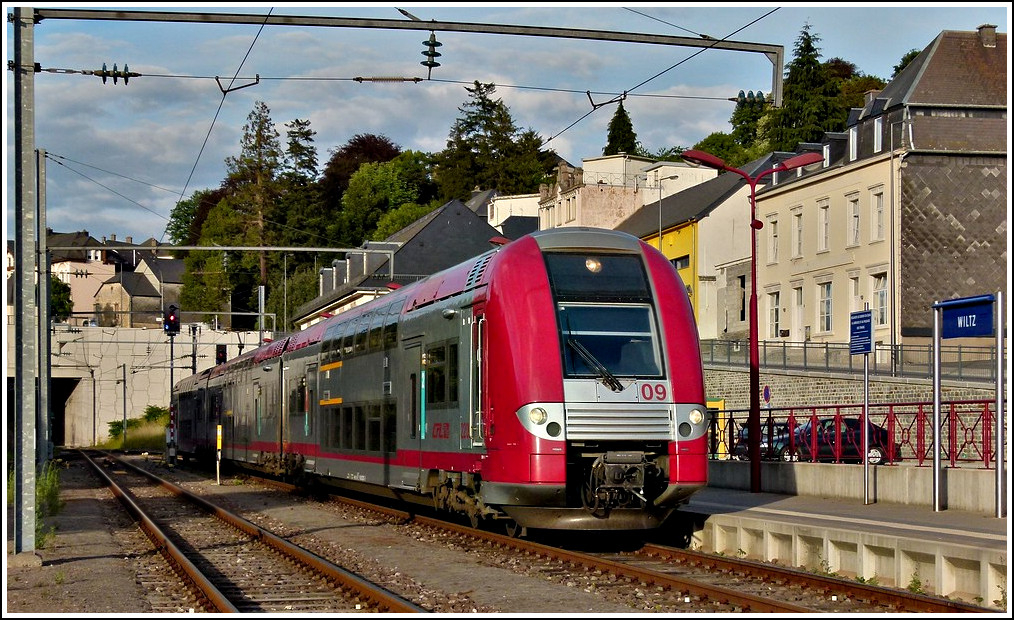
[898, 433]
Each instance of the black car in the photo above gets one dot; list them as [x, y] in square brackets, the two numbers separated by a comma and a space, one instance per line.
[772, 439]
[820, 440]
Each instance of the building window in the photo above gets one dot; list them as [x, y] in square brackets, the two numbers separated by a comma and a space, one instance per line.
[742, 298]
[827, 155]
[856, 301]
[773, 241]
[774, 303]
[853, 147]
[797, 234]
[824, 307]
[681, 262]
[571, 209]
[877, 223]
[797, 312]
[880, 299]
[853, 212]
[823, 226]
[878, 134]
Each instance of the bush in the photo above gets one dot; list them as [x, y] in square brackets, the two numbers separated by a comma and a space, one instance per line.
[144, 433]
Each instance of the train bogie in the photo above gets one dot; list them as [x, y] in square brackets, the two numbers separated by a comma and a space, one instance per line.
[554, 382]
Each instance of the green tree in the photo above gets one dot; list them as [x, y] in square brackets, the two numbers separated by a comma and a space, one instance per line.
[255, 171]
[300, 163]
[61, 306]
[346, 159]
[373, 190]
[188, 215]
[721, 145]
[810, 103]
[400, 217]
[621, 137]
[904, 62]
[746, 118]
[486, 150]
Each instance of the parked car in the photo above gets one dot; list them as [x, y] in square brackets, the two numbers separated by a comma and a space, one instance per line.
[773, 437]
[821, 441]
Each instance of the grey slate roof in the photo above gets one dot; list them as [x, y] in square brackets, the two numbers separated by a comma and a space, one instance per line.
[958, 70]
[446, 236]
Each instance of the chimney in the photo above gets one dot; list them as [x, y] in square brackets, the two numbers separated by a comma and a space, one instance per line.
[130, 239]
[112, 238]
[871, 95]
[987, 34]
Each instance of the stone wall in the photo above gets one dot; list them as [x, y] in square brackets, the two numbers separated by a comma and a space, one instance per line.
[797, 389]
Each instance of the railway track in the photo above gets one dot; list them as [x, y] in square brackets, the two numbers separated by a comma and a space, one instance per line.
[232, 565]
[691, 581]
[663, 579]
[832, 589]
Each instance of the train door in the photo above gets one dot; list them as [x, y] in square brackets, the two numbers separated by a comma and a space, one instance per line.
[228, 421]
[414, 414]
[257, 423]
[473, 340]
[311, 409]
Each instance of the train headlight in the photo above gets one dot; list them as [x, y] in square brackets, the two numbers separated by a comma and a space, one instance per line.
[538, 415]
[696, 416]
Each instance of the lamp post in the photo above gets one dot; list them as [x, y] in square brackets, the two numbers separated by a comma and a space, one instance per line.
[753, 420]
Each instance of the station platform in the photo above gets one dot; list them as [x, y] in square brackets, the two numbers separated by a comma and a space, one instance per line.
[953, 553]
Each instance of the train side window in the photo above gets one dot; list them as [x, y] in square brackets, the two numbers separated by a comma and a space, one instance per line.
[331, 348]
[436, 375]
[376, 341]
[373, 437]
[391, 326]
[359, 428]
[452, 374]
[349, 337]
[361, 329]
[345, 433]
[390, 428]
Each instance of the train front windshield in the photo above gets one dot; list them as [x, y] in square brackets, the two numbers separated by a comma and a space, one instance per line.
[604, 312]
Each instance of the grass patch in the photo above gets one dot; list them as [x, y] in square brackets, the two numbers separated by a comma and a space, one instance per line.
[146, 433]
[47, 499]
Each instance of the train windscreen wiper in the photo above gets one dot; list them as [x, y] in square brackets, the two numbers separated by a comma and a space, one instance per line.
[608, 378]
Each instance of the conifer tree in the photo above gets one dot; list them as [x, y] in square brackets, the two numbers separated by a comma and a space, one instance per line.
[810, 104]
[486, 150]
[621, 137]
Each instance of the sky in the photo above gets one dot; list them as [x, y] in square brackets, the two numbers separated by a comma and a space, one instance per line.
[120, 156]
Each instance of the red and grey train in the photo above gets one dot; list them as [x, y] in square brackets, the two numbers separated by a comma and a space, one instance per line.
[553, 382]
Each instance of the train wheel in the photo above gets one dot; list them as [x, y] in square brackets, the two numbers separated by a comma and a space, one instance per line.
[513, 530]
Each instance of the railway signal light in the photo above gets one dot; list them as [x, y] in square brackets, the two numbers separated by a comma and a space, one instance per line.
[171, 322]
[220, 353]
[431, 53]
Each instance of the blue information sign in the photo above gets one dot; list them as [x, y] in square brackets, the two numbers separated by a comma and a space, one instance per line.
[861, 332]
[967, 317]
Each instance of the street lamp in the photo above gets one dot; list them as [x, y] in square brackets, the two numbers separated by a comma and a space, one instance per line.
[753, 420]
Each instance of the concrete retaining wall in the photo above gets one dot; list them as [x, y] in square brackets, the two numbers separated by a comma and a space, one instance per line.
[967, 489]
